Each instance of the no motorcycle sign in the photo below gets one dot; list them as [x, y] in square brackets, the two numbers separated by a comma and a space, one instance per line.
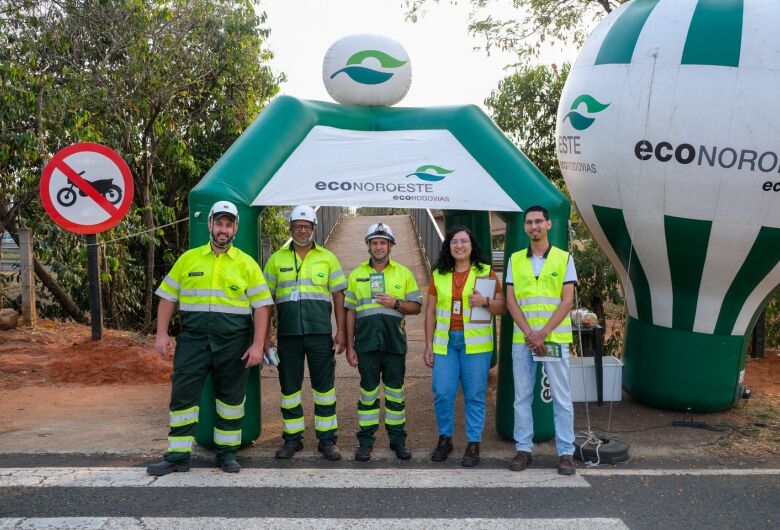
[86, 188]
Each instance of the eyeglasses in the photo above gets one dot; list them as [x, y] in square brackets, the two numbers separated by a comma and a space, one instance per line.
[302, 228]
[454, 242]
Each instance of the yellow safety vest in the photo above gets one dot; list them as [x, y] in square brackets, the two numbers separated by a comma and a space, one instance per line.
[230, 283]
[302, 289]
[478, 337]
[538, 298]
[378, 327]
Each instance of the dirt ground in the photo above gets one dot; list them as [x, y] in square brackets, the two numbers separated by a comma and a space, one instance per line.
[55, 355]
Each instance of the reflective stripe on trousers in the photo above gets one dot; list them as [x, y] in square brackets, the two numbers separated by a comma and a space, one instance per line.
[229, 438]
[325, 423]
[179, 418]
[230, 412]
[180, 444]
[324, 398]
[293, 425]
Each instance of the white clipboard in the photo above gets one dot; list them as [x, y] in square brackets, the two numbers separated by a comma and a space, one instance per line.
[486, 287]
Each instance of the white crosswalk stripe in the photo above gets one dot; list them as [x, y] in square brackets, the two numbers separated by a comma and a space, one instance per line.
[219, 523]
[125, 477]
[128, 477]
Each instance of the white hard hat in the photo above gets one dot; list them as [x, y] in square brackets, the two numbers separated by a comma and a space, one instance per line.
[380, 230]
[223, 207]
[303, 213]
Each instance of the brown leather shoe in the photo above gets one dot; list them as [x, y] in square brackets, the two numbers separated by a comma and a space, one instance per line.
[471, 456]
[566, 466]
[443, 448]
[521, 461]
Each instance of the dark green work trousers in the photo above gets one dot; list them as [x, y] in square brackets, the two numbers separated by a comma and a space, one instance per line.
[193, 360]
[390, 369]
[317, 351]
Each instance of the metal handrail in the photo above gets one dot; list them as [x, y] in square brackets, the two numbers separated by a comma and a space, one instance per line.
[327, 218]
[428, 234]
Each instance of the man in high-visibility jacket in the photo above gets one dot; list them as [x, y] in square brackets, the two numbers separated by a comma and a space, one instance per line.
[539, 295]
[380, 294]
[304, 278]
[223, 300]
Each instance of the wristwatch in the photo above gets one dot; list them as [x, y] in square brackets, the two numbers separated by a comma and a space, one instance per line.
[397, 304]
[487, 302]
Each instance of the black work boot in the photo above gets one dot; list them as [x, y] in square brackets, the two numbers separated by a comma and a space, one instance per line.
[158, 469]
[363, 453]
[471, 456]
[329, 449]
[443, 448]
[229, 465]
[289, 448]
[401, 451]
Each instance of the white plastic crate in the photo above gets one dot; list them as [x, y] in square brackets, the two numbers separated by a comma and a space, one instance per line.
[613, 378]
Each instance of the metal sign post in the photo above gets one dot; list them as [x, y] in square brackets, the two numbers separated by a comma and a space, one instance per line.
[95, 299]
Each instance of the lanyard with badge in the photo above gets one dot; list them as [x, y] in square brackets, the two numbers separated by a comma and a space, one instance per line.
[295, 295]
[457, 305]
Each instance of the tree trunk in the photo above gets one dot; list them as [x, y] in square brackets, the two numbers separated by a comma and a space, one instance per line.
[148, 217]
[758, 339]
[59, 293]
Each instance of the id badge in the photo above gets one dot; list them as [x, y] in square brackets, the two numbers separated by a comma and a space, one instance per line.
[295, 295]
[456, 307]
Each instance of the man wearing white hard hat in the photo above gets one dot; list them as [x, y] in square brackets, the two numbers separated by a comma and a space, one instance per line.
[381, 292]
[307, 284]
[223, 300]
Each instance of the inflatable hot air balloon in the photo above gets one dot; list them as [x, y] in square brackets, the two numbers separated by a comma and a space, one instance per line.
[669, 140]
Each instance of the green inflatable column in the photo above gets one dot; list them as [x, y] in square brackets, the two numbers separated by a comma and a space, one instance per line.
[544, 429]
[479, 223]
[247, 240]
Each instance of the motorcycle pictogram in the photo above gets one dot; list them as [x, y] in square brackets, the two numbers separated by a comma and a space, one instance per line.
[67, 196]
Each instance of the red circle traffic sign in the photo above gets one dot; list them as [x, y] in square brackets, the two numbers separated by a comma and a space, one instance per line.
[86, 188]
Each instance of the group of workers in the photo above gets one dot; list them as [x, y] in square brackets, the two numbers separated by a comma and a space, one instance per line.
[225, 301]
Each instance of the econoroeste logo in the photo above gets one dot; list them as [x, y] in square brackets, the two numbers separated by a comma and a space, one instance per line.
[369, 76]
[593, 106]
[424, 173]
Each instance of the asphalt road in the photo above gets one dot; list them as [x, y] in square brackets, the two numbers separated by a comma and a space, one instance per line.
[80, 491]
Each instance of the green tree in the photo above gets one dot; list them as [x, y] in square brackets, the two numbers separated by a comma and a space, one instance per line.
[525, 107]
[538, 22]
[167, 84]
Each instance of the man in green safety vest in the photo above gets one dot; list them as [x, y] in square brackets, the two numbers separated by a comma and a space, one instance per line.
[539, 295]
[223, 301]
[380, 294]
[304, 278]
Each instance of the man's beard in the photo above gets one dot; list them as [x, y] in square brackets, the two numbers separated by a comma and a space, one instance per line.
[221, 245]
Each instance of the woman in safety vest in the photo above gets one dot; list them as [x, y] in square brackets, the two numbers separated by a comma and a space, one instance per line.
[457, 348]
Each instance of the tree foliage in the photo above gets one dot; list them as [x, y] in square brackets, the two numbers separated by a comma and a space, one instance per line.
[525, 106]
[538, 22]
[169, 84]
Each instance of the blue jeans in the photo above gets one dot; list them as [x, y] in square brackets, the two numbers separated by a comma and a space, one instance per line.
[470, 370]
[524, 371]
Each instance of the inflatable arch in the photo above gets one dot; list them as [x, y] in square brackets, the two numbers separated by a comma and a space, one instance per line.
[324, 154]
